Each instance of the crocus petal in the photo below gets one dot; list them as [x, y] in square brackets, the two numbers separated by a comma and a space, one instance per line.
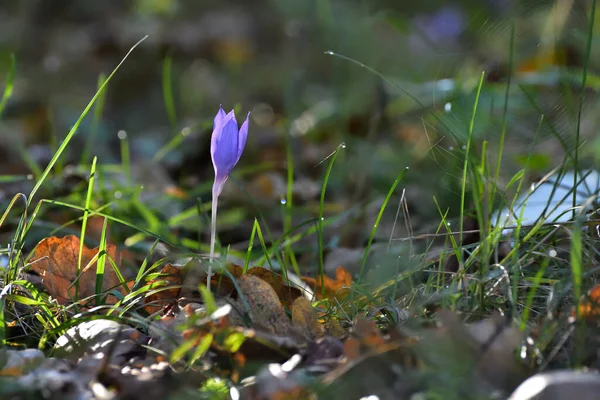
[243, 135]
[219, 117]
[224, 145]
[217, 128]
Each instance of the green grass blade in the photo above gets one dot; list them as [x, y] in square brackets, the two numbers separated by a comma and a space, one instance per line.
[101, 263]
[250, 245]
[376, 224]
[8, 87]
[125, 157]
[321, 218]
[466, 163]
[86, 212]
[288, 202]
[167, 86]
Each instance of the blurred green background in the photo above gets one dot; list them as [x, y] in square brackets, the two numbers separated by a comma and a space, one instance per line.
[269, 57]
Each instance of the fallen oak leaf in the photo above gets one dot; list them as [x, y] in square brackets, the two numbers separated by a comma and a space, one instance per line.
[56, 260]
[325, 287]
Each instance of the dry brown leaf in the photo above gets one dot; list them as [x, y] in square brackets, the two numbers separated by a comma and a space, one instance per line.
[56, 259]
[305, 319]
[325, 287]
[224, 285]
[264, 307]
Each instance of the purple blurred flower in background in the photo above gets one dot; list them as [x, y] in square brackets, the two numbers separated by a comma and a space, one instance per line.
[226, 147]
[446, 24]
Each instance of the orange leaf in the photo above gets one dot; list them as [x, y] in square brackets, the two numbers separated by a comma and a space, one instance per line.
[56, 259]
[332, 289]
[589, 308]
[304, 318]
[365, 336]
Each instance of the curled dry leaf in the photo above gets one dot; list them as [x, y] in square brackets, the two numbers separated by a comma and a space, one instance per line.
[304, 318]
[325, 287]
[224, 286]
[56, 260]
[263, 305]
[221, 282]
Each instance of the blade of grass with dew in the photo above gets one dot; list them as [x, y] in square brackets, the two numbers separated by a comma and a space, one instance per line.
[167, 87]
[125, 157]
[9, 83]
[376, 224]
[250, 245]
[71, 133]
[101, 263]
[98, 110]
[321, 218]
[288, 202]
[86, 212]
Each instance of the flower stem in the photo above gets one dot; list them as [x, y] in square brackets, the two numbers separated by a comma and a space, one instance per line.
[213, 234]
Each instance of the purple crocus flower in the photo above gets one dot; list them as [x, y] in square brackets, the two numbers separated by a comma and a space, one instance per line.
[226, 147]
